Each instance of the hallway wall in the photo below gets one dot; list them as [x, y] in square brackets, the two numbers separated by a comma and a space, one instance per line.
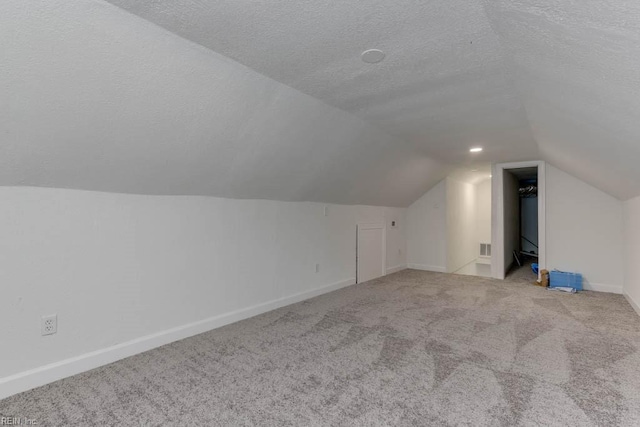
[483, 215]
[461, 224]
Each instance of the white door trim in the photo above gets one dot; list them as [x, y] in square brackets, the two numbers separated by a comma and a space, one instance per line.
[371, 226]
[497, 215]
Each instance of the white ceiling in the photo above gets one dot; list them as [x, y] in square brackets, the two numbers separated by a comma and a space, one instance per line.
[556, 79]
[577, 66]
[96, 98]
[505, 74]
[444, 84]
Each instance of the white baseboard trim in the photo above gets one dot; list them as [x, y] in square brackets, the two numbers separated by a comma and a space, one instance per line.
[46, 374]
[633, 304]
[598, 287]
[396, 268]
[426, 267]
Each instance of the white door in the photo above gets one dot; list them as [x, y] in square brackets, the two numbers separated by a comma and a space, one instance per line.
[371, 251]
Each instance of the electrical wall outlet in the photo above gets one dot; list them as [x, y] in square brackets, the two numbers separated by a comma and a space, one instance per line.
[49, 324]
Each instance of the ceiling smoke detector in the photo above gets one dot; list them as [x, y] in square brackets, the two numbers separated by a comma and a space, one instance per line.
[372, 56]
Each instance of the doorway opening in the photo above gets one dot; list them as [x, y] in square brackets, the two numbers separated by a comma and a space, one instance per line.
[522, 216]
[519, 220]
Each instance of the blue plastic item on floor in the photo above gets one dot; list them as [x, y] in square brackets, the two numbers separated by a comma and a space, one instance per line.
[563, 289]
[534, 267]
[565, 279]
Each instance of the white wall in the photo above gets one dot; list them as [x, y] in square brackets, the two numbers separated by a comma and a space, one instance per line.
[427, 230]
[483, 202]
[631, 212]
[117, 268]
[461, 224]
[511, 217]
[584, 231]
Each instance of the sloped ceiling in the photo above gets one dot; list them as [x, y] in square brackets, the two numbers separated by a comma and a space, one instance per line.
[96, 98]
[444, 85]
[99, 99]
[577, 67]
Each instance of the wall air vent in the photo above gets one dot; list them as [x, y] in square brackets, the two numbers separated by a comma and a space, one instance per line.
[485, 249]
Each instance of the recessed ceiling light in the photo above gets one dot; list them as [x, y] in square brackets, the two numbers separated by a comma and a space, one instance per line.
[475, 149]
[372, 56]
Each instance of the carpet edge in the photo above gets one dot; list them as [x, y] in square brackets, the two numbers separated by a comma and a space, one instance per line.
[426, 267]
[395, 269]
[631, 302]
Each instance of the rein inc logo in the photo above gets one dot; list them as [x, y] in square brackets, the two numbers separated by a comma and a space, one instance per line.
[17, 421]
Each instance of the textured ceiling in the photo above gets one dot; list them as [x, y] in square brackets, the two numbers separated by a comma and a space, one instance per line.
[100, 99]
[511, 75]
[96, 98]
[577, 66]
[443, 84]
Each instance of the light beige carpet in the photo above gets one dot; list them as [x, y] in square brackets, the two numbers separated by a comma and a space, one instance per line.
[413, 348]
